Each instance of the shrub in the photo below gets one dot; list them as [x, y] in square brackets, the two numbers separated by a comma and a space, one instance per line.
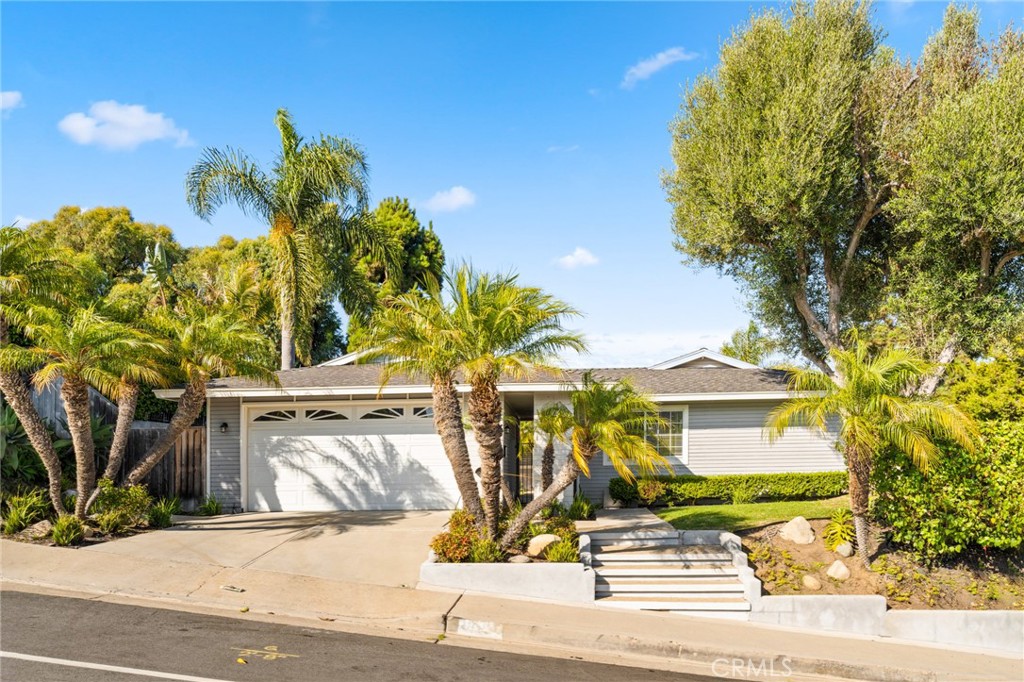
[561, 526]
[742, 494]
[556, 508]
[563, 552]
[581, 508]
[689, 489]
[965, 500]
[650, 490]
[209, 507]
[24, 510]
[455, 545]
[112, 522]
[121, 506]
[68, 530]
[839, 529]
[161, 512]
[484, 551]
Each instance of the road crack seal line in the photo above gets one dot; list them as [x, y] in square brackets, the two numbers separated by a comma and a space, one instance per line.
[293, 536]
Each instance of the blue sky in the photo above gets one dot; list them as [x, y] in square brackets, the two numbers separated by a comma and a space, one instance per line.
[532, 135]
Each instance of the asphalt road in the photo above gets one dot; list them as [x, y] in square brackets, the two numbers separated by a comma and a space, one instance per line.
[53, 639]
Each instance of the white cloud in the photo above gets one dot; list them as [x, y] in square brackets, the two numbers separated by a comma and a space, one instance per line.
[556, 148]
[646, 68]
[643, 349]
[579, 258]
[11, 99]
[121, 126]
[449, 200]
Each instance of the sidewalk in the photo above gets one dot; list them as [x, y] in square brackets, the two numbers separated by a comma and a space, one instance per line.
[677, 642]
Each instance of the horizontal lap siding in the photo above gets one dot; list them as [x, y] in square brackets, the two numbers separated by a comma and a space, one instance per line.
[727, 438]
[225, 452]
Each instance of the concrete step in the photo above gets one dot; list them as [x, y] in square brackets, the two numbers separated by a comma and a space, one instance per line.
[667, 569]
[658, 536]
[611, 585]
[646, 553]
[654, 603]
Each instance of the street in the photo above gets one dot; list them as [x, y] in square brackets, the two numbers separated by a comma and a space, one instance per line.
[54, 639]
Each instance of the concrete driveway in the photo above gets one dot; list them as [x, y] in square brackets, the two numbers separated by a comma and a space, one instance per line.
[381, 548]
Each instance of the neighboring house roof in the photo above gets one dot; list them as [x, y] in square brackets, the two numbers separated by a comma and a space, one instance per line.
[702, 357]
[347, 359]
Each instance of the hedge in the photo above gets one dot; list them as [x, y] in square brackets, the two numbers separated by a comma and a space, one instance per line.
[966, 499]
[689, 489]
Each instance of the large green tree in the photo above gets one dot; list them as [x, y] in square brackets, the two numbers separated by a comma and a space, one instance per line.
[789, 155]
[874, 413]
[313, 200]
[111, 235]
[421, 262]
[750, 345]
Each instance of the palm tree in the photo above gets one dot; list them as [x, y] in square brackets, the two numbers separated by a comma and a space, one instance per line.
[314, 202]
[612, 418]
[555, 420]
[202, 344]
[508, 331]
[417, 335]
[80, 349]
[876, 409]
[32, 273]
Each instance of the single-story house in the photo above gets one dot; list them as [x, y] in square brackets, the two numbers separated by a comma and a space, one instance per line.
[330, 438]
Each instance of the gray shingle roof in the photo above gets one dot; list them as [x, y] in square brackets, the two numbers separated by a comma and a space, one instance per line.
[656, 381]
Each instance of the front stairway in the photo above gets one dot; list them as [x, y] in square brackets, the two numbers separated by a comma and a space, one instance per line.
[647, 566]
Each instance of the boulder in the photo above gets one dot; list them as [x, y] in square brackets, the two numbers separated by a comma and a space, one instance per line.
[844, 549]
[88, 532]
[539, 545]
[39, 530]
[798, 531]
[838, 570]
[520, 559]
[811, 583]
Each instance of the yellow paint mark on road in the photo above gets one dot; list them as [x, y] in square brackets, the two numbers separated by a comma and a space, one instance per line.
[267, 653]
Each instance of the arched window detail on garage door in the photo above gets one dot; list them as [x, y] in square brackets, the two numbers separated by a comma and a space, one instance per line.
[423, 412]
[385, 413]
[324, 415]
[275, 416]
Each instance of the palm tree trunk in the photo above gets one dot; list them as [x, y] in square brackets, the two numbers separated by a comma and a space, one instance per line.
[859, 467]
[190, 404]
[570, 472]
[485, 416]
[287, 332]
[127, 401]
[75, 393]
[547, 463]
[448, 423]
[19, 397]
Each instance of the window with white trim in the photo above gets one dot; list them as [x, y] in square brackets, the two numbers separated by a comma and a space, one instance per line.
[423, 412]
[385, 413]
[325, 415]
[671, 437]
[275, 416]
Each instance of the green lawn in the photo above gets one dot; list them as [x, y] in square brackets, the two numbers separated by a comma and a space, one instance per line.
[740, 517]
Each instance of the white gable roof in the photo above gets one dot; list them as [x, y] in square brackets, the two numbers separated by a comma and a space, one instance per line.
[347, 359]
[703, 357]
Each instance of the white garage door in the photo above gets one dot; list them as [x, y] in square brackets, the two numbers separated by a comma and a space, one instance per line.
[324, 457]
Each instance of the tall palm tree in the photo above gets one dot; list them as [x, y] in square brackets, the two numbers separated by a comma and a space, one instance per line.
[876, 410]
[314, 202]
[417, 335]
[81, 349]
[202, 344]
[555, 421]
[613, 418]
[508, 331]
[31, 273]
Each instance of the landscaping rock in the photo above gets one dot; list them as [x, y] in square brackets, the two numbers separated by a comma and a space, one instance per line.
[798, 531]
[844, 549]
[539, 545]
[811, 583]
[88, 532]
[838, 570]
[38, 530]
[520, 559]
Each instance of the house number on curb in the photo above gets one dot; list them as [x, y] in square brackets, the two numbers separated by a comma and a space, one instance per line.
[267, 653]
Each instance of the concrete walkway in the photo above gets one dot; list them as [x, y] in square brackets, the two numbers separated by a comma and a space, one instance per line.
[669, 642]
[639, 520]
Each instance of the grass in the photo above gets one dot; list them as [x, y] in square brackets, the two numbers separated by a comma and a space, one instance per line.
[741, 517]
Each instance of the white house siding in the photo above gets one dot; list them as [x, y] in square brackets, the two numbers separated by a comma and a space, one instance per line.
[224, 455]
[728, 438]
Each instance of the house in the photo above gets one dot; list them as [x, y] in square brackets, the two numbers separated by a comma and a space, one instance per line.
[329, 437]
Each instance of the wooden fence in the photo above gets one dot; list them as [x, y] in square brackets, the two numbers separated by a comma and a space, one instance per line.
[182, 470]
[50, 406]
